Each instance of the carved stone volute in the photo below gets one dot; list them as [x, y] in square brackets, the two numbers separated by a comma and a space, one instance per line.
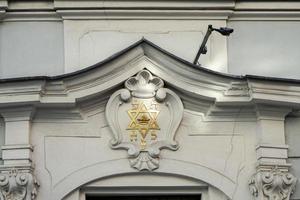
[144, 117]
[272, 185]
[17, 185]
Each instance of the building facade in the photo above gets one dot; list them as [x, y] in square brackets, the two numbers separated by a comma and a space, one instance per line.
[100, 99]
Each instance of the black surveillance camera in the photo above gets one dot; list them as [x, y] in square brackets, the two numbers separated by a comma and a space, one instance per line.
[202, 50]
[225, 31]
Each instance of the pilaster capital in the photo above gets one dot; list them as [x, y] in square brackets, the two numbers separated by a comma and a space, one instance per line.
[18, 185]
[272, 185]
[24, 113]
[271, 112]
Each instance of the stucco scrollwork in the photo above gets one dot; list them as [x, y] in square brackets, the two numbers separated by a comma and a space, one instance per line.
[17, 185]
[272, 185]
[144, 118]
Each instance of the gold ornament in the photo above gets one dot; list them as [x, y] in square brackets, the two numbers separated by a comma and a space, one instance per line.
[143, 119]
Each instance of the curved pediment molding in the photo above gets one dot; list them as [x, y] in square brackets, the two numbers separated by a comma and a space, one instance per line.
[104, 170]
[194, 84]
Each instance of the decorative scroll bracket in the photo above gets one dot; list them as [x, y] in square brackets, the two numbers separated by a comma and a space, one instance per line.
[18, 185]
[144, 118]
[272, 185]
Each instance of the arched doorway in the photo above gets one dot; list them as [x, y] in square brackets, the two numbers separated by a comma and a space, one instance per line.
[146, 186]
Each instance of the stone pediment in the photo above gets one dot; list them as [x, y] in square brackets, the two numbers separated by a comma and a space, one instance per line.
[198, 87]
[201, 106]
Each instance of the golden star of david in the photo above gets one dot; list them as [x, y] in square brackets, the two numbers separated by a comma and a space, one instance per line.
[143, 119]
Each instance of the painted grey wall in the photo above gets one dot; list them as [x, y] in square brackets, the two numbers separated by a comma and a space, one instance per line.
[262, 48]
[292, 139]
[31, 48]
[265, 48]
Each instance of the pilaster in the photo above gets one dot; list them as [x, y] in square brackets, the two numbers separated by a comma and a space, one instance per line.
[272, 181]
[271, 149]
[17, 179]
[17, 149]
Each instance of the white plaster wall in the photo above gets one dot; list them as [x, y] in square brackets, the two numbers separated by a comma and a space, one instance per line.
[90, 41]
[68, 150]
[71, 147]
[31, 49]
[265, 48]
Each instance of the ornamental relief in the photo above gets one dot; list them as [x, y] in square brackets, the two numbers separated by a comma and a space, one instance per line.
[144, 117]
[18, 185]
[143, 121]
[272, 185]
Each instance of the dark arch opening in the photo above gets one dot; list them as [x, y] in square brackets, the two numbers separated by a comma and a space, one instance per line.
[146, 197]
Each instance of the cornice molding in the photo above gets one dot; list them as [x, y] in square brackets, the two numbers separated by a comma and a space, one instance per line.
[153, 14]
[2, 13]
[255, 15]
[3, 4]
[31, 16]
[267, 5]
[146, 9]
[3, 7]
[163, 4]
[262, 91]
[198, 87]
[30, 5]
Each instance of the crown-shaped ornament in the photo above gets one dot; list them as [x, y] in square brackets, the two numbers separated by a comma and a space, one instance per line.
[144, 85]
